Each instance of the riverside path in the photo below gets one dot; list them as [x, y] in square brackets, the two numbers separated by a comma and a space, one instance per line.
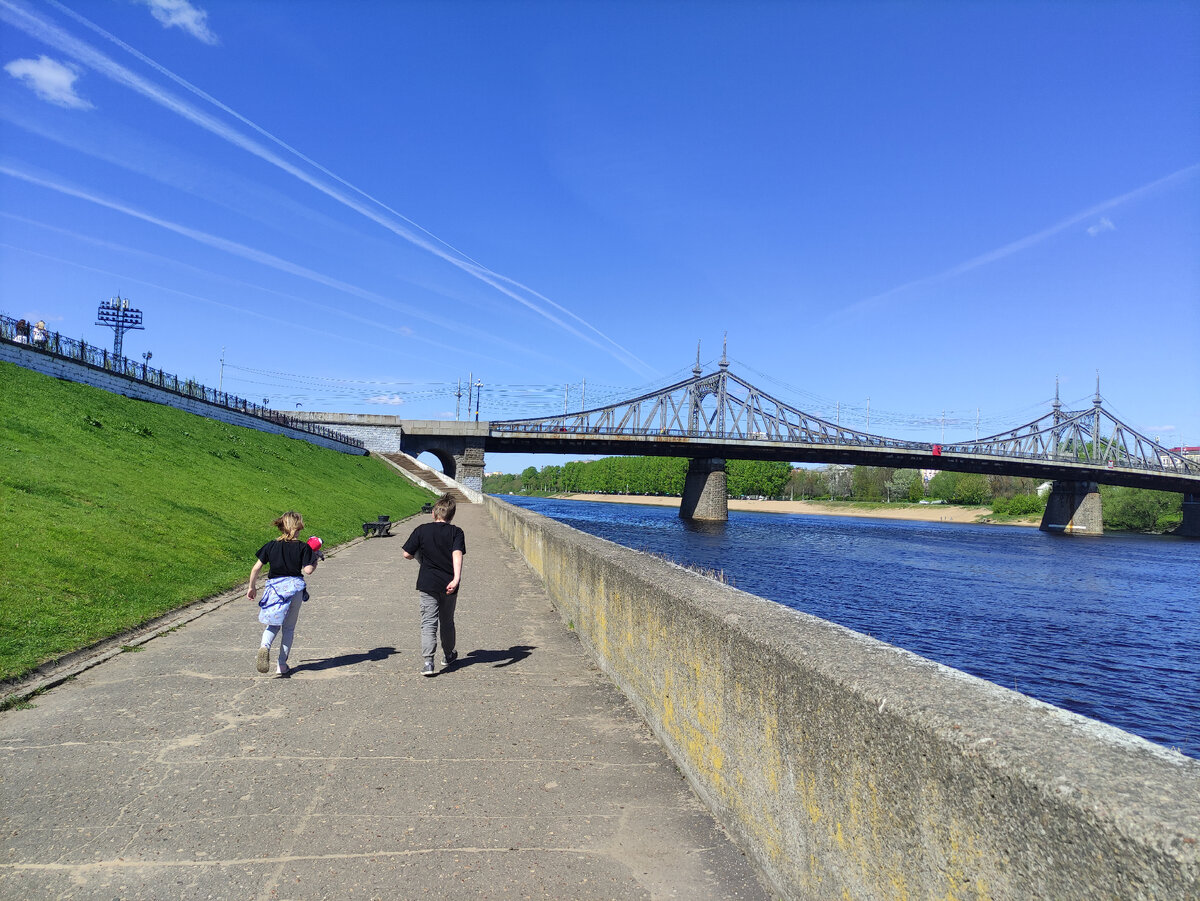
[180, 772]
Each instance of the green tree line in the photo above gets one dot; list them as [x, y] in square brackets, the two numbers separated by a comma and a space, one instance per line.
[637, 475]
[1124, 508]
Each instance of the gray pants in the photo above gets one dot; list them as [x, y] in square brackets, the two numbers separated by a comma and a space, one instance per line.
[437, 609]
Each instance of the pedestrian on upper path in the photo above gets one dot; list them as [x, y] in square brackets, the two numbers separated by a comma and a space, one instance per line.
[439, 546]
[289, 560]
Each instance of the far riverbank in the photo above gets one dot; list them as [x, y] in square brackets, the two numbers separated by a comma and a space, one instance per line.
[914, 512]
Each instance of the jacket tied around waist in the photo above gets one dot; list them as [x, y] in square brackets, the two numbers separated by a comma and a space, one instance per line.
[277, 597]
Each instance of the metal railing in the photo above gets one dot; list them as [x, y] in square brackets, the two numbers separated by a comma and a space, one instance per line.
[102, 358]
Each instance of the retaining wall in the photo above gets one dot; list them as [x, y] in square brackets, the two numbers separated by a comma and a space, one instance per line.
[73, 371]
[379, 432]
[851, 769]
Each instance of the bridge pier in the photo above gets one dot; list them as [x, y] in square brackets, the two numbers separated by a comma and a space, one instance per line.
[1073, 508]
[1190, 527]
[468, 465]
[705, 491]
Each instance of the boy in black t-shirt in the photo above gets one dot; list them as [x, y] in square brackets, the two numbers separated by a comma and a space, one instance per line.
[439, 546]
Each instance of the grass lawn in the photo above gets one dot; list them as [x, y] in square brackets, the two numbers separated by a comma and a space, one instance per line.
[116, 511]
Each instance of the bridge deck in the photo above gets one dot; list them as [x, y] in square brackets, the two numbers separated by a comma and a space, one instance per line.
[522, 773]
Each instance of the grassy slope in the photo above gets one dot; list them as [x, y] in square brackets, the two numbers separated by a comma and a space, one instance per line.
[115, 511]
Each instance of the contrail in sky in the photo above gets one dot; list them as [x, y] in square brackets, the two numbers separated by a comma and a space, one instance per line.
[240, 250]
[51, 34]
[1023, 243]
[166, 289]
[370, 324]
[256, 256]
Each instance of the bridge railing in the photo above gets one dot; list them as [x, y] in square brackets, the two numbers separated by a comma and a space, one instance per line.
[1066, 454]
[80, 351]
[543, 428]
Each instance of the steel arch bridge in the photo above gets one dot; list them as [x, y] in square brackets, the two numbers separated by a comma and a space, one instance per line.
[720, 415]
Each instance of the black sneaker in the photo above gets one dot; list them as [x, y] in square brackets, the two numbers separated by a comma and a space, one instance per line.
[428, 670]
[451, 659]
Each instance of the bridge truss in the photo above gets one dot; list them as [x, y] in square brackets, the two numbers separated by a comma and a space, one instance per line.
[721, 407]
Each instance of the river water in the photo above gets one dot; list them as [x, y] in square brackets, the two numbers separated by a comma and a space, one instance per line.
[1107, 627]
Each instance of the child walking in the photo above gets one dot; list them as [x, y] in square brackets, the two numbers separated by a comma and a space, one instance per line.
[439, 546]
[290, 560]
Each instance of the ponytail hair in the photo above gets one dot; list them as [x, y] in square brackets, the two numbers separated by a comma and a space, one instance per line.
[290, 524]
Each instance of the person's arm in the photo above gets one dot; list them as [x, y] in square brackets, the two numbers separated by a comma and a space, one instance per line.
[258, 565]
[308, 570]
[411, 546]
[457, 557]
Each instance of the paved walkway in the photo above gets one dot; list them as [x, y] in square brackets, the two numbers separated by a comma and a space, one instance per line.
[179, 772]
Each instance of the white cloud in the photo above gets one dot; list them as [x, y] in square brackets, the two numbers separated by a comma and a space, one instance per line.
[181, 14]
[1104, 225]
[392, 400]
[51, 80]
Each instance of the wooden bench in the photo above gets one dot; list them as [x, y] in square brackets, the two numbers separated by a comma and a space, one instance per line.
[382, 527]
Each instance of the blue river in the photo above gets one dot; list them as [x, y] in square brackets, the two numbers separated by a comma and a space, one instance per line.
[1108, 627]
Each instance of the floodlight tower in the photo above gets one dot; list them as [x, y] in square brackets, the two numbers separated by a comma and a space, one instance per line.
[120, 317]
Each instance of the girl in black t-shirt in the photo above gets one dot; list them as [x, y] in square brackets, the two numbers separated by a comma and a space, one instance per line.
[290, 560]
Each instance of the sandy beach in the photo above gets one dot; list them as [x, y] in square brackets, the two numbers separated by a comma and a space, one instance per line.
[919, 512]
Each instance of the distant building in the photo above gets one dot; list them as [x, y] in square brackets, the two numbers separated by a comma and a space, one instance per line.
[1188, 453]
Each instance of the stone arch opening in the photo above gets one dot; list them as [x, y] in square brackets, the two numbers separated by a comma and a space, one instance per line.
[438, 459]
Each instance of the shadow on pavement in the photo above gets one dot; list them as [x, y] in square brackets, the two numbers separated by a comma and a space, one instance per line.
[375, 654]
[508, 657]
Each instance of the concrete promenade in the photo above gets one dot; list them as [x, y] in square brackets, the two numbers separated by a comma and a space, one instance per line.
[177, 771]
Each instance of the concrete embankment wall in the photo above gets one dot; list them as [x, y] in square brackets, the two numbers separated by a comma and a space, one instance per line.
[851, 769]
[75, 371]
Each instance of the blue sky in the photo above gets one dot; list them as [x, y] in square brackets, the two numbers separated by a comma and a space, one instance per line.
[936, 206]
